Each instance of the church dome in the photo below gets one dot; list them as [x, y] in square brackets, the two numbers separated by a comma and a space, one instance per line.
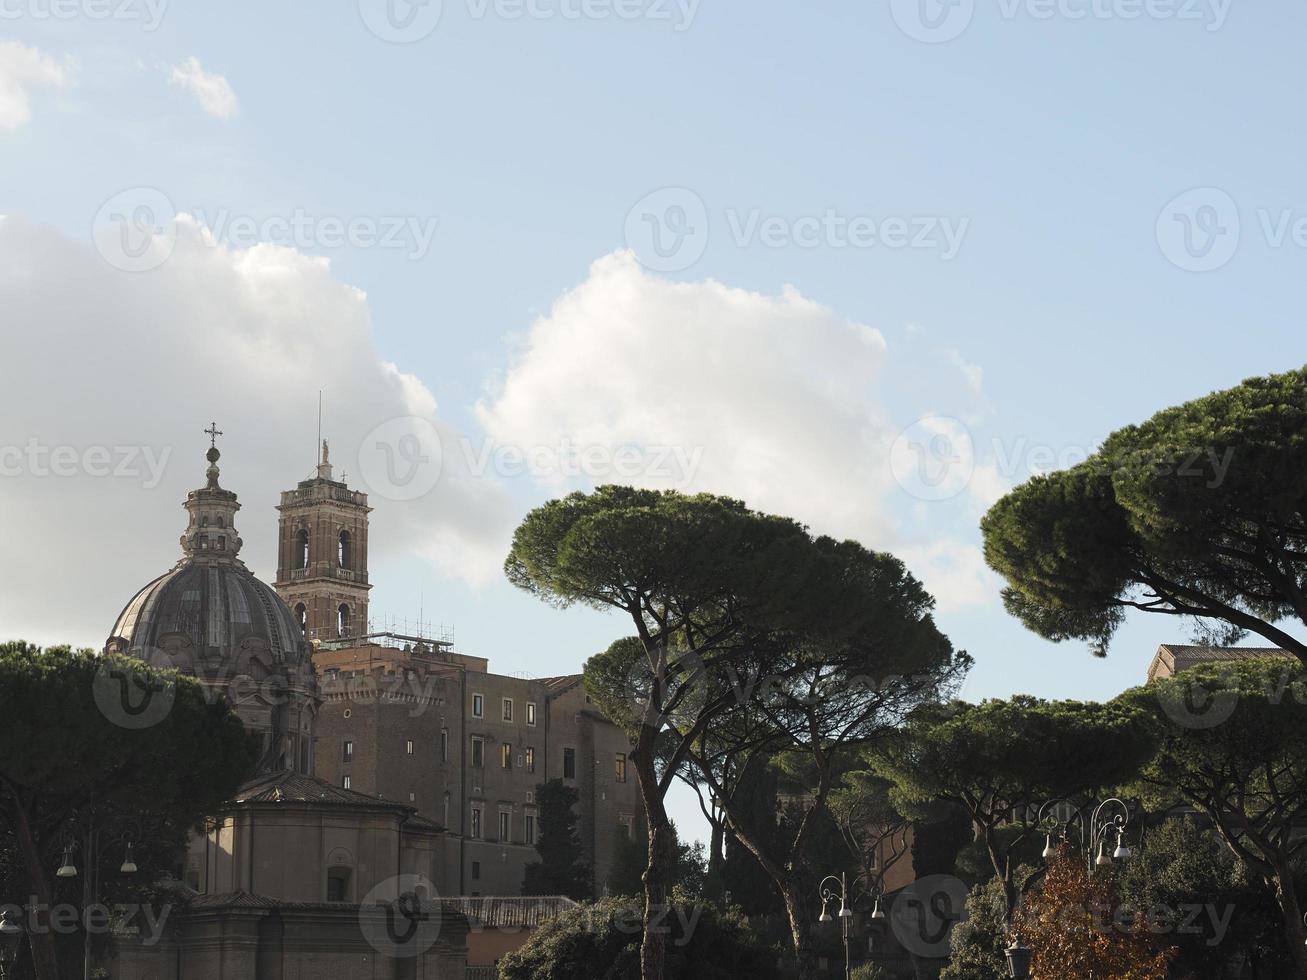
[210, 618]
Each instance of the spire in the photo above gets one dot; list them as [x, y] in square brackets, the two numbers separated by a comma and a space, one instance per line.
[211, 532]
[324, 467]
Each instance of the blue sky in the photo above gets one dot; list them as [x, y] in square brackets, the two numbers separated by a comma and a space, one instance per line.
[1053, 140]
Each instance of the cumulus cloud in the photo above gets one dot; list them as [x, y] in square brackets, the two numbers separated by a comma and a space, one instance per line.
[21, 68]
[775, 398]
[110, 377]
[213, 92]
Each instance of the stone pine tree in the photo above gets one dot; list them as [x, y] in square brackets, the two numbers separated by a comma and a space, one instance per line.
[1200, 512]
[67, 757]
[1001, 760]
[560, 870]
[707, 585]
[1232, 745]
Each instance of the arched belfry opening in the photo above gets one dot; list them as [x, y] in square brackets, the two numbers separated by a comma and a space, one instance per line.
[322, 562]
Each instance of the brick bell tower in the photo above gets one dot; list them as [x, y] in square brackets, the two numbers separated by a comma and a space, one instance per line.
[322, 555]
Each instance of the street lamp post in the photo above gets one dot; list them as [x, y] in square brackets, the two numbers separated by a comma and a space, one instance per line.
[1112, 816]
[829, 894]
[91, 882]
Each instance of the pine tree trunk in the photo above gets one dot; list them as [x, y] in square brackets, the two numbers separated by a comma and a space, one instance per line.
[1291, 912]
[44, 959]
[653, 945]
[805, 956]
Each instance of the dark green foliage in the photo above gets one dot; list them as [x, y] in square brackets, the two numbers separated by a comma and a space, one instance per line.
[63, 762]
[978, 941]
[1199, 512]
[1232, 743]
[938, 839]
[631, 855]
[559, 870]
[601, 941]
[1001, 758]
[1200, 899]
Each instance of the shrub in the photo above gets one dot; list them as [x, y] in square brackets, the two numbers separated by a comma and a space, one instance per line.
[601, 941]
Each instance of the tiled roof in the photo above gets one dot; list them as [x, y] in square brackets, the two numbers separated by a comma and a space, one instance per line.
[557, 685]
[489, 912]
[1171, 658]
[293, 787]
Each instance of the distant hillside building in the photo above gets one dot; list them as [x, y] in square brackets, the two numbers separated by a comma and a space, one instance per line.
[1171, 658]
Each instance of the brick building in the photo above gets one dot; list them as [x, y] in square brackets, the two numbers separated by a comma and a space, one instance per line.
[409, 719]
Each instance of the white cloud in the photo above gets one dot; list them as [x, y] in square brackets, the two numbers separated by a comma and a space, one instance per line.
[211, 90]
[974, 374]
[20, 68]
[778, 398]
[130, 362]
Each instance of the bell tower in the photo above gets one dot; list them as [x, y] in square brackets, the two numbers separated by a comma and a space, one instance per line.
[322, 555]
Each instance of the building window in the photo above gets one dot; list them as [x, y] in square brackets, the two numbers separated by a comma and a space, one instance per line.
[347, 754]
[505, 824]
[343, 550]
[342, 620]
[506, 756]
[408, 747]
[569, 763]
[346, 781]
[222, 544]
[302, 617]
[412, 797]
[530, 759]
[338, 884]
[444, 745]
[627, 823]
[476, 823]
[530, 828]
[508, 709]
[302, 548]
[445, 811]
[204, 542]
[531, 713]
[478, 706]
[621, 767]
[478, 752]
[476, 870]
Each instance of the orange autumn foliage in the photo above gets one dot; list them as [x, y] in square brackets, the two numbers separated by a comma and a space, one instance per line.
[1074, 927]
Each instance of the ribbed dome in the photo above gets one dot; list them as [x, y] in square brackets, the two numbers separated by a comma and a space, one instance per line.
[212, 619]
[219, 610]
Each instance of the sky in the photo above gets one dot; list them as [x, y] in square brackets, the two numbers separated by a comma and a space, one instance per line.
[869, 265]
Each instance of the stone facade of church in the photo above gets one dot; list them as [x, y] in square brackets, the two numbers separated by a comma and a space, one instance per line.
[393, 770]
